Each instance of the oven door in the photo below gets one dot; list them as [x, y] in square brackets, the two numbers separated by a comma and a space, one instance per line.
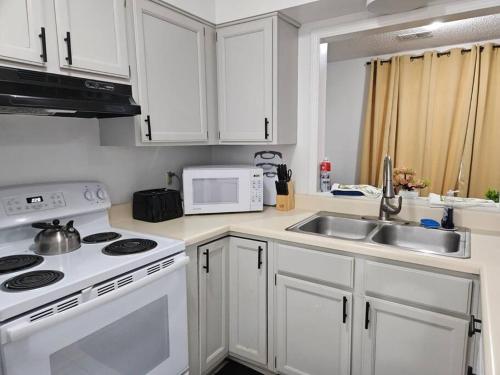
[216, 190]
[140, 328]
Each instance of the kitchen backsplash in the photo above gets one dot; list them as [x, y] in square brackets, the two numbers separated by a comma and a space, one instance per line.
[37, 149]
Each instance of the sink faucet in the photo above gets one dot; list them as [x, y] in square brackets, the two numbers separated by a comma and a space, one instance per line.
[386, 207]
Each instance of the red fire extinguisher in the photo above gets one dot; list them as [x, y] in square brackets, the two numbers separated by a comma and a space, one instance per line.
[324, 175]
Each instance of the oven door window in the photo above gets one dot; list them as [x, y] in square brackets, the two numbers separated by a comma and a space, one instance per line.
[135, 344]
[215, 191]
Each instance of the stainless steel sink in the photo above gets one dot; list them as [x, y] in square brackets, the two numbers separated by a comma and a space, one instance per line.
[406, 237]
[336, 225]
[417, 238]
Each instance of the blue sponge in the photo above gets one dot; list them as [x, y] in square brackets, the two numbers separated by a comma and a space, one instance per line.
[430, 223]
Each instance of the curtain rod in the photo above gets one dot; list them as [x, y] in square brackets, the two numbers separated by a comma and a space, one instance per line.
[439, 54]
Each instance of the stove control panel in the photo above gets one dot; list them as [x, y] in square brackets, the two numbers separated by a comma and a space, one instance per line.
[42, 201]
[21, 205]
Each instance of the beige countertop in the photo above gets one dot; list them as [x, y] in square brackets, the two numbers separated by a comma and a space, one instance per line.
[484, 261]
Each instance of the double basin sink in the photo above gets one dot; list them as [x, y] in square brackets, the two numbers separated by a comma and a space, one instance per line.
[407, 236]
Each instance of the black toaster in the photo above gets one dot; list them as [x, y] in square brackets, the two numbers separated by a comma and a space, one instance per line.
[157, 205]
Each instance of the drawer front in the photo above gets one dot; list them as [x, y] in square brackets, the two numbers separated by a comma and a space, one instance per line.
[421, 287]
[318, 265]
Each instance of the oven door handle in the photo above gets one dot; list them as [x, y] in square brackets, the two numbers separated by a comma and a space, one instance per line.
[21, 331]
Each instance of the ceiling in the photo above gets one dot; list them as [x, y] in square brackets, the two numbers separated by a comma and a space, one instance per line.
[450, 33]
[320, 10]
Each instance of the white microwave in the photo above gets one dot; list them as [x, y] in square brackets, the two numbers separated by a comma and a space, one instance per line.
[222, 188]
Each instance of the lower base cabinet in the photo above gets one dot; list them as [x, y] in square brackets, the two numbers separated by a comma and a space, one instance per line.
[213, 304]
[400, 339]
[313, 328]
[324, 324]
[248, 299]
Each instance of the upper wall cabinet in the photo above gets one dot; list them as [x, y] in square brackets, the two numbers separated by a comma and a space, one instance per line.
[245, 72]
[91, 36]
[257, 81]
[170, 49]
[23, 33]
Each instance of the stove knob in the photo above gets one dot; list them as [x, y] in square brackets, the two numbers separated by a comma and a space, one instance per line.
[88, 195]
[101, 194]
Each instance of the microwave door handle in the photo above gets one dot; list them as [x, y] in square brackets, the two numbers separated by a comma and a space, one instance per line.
[25, 329]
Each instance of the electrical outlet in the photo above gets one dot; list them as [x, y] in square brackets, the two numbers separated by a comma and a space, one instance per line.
[170, 176]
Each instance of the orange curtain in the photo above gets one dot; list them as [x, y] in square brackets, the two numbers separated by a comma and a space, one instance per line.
[485, 171]
[427, 122]
[413, 103]
[450, 119]
[380, 119]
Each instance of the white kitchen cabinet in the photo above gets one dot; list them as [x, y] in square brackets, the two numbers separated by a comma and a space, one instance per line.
[245, 72]
[247, 299]
[313, 328]
[257, 81]
[213, 306]
[170, 49]
[23, 31]
[399, 339]
[91, 36]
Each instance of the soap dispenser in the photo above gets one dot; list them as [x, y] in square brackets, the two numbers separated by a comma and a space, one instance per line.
[447, 220]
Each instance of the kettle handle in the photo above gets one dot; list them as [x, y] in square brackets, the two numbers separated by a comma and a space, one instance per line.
[53, 225]
[69, 225]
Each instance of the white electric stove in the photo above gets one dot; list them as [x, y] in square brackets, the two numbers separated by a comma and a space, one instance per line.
[116, 305]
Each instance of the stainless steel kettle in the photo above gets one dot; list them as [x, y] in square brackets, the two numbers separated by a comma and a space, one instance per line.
[55, 238]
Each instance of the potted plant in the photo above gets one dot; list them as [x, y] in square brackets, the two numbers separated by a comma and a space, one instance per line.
[493, 195]
[406, 184]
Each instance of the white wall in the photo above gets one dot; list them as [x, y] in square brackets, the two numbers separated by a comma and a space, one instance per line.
[345, 105]
[43, 149]
[230, 10]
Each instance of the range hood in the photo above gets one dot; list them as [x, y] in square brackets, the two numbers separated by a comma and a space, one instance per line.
[39, 93]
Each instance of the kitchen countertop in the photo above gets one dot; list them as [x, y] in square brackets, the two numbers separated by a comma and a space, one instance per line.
[484, 261]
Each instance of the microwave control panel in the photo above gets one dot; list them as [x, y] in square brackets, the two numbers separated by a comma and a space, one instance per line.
[257, 189]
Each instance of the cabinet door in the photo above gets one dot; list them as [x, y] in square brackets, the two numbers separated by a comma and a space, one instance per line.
[213, 267]
[247, 299]
[171, 67]
[245, 81]
[399, 339]
[313, 328]
[21, 35]
[92, 36]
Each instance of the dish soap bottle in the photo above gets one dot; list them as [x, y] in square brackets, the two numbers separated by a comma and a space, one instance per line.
[447, 220]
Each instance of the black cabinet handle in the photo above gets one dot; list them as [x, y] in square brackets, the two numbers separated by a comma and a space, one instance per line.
[259, 261]
[207, 261]
[266, 127]
[148, 122]
[367, 314]
[69, 58]
[472, 325]
[344, 309]
[43, 56]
